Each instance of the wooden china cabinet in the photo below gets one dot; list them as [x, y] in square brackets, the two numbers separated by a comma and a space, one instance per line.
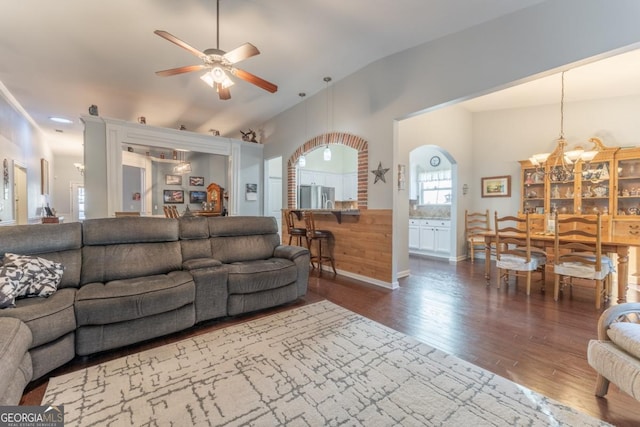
[626, 199]
[609, 185]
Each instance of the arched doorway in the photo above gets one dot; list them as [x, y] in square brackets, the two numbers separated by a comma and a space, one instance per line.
[333, 138]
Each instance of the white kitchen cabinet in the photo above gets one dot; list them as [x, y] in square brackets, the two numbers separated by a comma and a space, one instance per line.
[305, 177]
[414, 234]
[430, 237]
[350, 186]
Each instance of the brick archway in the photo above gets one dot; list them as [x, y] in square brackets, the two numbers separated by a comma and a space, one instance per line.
[333, 138]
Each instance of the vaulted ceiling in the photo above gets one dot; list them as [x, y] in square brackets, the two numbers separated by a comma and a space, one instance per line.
[58, 58]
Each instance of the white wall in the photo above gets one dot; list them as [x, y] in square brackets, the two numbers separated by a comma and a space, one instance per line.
[23, 144]
[451, 129]
[64, 174]
[494, 55]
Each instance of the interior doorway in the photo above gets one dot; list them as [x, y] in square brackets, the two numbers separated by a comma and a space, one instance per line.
[77, 201]
[433, 202]
[20, 206]
[273, 189]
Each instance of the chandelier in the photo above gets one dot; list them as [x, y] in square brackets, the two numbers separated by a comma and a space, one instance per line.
[183, 166]
[564, 160]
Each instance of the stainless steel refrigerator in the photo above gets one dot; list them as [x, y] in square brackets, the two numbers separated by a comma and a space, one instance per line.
[316, 197]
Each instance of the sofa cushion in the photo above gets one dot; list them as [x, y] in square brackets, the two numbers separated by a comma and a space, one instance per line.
[116, 262]
[40, 277]
[56, 242]
[15, 369]
[626, 335]
[243, 248]
[128, 299]
[47, 318]
[110, 231]
[260, 275]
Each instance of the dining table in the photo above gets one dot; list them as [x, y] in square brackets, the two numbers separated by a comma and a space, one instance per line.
[618, 245]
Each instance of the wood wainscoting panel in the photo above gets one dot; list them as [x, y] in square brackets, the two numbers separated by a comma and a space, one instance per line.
[362, 244]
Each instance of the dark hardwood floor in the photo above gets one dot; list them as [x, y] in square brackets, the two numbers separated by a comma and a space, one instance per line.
[534, 341]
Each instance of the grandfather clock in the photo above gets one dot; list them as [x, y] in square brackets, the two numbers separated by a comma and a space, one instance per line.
[214, 196]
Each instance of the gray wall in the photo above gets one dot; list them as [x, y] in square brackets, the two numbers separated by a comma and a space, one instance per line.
[473, 62]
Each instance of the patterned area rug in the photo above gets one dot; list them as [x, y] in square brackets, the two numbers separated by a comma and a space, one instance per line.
[317, 365]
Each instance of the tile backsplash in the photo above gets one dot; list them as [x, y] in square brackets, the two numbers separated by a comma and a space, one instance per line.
[429, 211]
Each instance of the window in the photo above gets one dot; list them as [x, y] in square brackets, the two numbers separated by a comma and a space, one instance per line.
[435, 187]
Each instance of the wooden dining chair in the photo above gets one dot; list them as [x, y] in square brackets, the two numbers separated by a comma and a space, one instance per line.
[476, 224]
[171, 211]
[514, 252]
[578, 255]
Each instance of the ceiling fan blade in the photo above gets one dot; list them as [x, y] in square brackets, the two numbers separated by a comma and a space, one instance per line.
[241, 53]
[174, 39]
[180, 70]
[252, 78]
[223, 92]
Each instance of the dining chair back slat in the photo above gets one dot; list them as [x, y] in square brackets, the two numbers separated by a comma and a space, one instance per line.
[477, 224]
[515, 253]
[578, 255]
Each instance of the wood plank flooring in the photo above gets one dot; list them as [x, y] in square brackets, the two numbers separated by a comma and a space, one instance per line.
[533, 340]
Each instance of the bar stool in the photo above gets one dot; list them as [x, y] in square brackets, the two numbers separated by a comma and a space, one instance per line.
[314, 235]
[298, 233]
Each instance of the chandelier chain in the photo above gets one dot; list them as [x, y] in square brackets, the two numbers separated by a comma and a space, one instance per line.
[562, 108]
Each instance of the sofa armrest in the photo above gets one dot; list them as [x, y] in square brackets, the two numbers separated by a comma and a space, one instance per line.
[196, 263]
[289, 252]
[626, 312]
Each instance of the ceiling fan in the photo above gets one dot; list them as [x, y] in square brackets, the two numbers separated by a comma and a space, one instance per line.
[217, 63]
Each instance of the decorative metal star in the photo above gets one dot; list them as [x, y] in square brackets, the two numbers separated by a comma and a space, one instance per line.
[379, 173]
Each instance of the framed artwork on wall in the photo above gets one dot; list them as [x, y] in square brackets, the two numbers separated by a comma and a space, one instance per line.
[44, 176]
[197, 196]
[196, 181]
[173, 196]
[173, 179]
[496, 186]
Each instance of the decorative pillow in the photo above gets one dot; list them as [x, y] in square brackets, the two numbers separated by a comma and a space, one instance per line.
[9, 285]
[40, 277]
[626, 335]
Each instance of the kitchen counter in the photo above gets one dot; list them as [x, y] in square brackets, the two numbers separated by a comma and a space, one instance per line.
[338, 213]
[437, 218]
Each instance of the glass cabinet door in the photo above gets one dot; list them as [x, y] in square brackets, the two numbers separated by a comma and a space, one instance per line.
[628, 197]
[561, 191]
[595, 186]
[533, 191]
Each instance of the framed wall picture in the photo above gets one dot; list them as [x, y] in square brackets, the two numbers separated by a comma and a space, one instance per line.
[496, 186]
[197, 196]
[251, 191]
[44, 176]
[173, 196]
[196, 181]
[173, 179]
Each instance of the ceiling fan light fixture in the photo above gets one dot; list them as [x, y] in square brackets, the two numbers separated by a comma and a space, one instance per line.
[206, 77]
[217, 76]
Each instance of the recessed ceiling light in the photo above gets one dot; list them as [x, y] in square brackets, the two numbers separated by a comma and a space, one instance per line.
[60, 120]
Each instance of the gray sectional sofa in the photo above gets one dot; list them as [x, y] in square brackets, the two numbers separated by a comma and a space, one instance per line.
[131, 279]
